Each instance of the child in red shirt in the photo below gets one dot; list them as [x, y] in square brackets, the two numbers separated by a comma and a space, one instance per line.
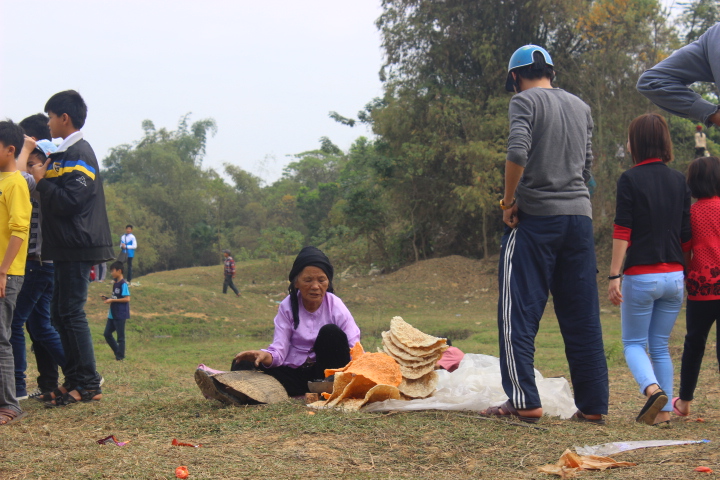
[703, 275]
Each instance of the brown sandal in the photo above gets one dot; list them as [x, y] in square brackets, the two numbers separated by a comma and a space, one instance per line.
[510, 412]
[580, 417]
[8, 416]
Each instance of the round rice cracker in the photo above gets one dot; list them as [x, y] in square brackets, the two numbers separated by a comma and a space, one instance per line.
[415, 373]
[422, 387]
[418, 364]
[411, 337]
[414, 356]
[378, 393]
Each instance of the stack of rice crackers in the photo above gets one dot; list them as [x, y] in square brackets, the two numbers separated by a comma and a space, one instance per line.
[416, 353]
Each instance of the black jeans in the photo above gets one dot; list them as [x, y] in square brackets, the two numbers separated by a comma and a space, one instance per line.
[67, 311]
[229, 283]
[331, 351]
[128, 277]
[700, 316]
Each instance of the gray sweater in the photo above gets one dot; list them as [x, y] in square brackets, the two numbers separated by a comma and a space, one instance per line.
[550, 136]
[666, 84]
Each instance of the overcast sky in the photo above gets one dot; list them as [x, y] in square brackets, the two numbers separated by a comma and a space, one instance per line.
[268, 72]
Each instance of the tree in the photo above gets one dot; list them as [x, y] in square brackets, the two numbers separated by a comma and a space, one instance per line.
[162, 172]
[443, 77]
[697, 16]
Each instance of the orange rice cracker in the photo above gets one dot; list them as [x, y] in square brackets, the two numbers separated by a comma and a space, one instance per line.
[377, 367]
[356, 351]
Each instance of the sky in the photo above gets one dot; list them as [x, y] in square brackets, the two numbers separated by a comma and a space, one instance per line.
[267, 72]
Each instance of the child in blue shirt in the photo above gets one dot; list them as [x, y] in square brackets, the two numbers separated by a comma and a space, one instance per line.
[119, 311]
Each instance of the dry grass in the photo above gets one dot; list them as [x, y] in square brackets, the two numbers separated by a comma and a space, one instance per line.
[151, 398]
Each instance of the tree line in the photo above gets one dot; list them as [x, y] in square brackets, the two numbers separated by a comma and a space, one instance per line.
[428, 183]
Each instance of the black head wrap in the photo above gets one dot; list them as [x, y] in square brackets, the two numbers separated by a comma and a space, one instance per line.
[308, 257]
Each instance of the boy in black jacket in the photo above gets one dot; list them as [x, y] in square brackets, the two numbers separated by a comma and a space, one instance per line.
[76, 237]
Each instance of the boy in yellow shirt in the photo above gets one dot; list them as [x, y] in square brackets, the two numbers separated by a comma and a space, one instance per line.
[15, 210]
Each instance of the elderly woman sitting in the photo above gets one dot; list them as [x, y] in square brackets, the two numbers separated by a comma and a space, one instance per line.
[313, 328]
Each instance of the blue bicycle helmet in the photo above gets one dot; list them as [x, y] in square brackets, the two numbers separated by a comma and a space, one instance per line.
[522, 57]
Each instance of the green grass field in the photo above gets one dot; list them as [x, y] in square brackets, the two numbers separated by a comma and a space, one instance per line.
[180, 318]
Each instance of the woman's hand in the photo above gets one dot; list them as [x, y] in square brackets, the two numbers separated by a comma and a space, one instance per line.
[614, 293]
[256, 356]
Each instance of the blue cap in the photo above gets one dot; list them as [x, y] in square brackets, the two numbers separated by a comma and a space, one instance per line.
[46, 147]
[523, 57]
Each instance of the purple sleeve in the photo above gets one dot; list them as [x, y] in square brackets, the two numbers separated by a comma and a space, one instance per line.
[280, 346]
[346, 322]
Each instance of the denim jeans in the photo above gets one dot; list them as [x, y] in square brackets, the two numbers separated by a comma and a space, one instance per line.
[7, 377]
[33, 310]
[67, 311]
[116, 325]
[651, 303]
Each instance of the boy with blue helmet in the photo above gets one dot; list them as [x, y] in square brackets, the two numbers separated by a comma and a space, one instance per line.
[548, 244]
[525, 57]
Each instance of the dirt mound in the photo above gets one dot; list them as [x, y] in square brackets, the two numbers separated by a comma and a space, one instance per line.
[454, 271]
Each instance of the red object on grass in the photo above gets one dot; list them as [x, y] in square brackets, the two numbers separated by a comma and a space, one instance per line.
[175, 443]
[182, 472]
[704, 469]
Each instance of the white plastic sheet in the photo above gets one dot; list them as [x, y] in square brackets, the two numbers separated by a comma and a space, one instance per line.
[606, 449]
[476, 385]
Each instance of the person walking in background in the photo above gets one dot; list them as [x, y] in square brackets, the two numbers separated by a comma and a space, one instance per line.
[15, 211]
[703, 275]
[652, 225]
[548, 244]
[119, 311]
[229, 271]
[76, 236]
[128, 244]
[32, 311]
[700, 142]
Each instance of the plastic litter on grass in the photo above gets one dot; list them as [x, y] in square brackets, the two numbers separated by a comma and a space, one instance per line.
[175, 443]
[617, 447]
[111, 440]
[182, 472]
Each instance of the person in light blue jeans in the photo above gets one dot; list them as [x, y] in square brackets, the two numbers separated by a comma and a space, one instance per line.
[651, 303]
[652, 225]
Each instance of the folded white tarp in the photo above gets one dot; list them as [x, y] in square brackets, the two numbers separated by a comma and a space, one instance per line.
[476, 385]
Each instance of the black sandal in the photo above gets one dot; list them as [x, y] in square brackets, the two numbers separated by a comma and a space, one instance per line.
[50, 396]
[86, 396]
[652, 407]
